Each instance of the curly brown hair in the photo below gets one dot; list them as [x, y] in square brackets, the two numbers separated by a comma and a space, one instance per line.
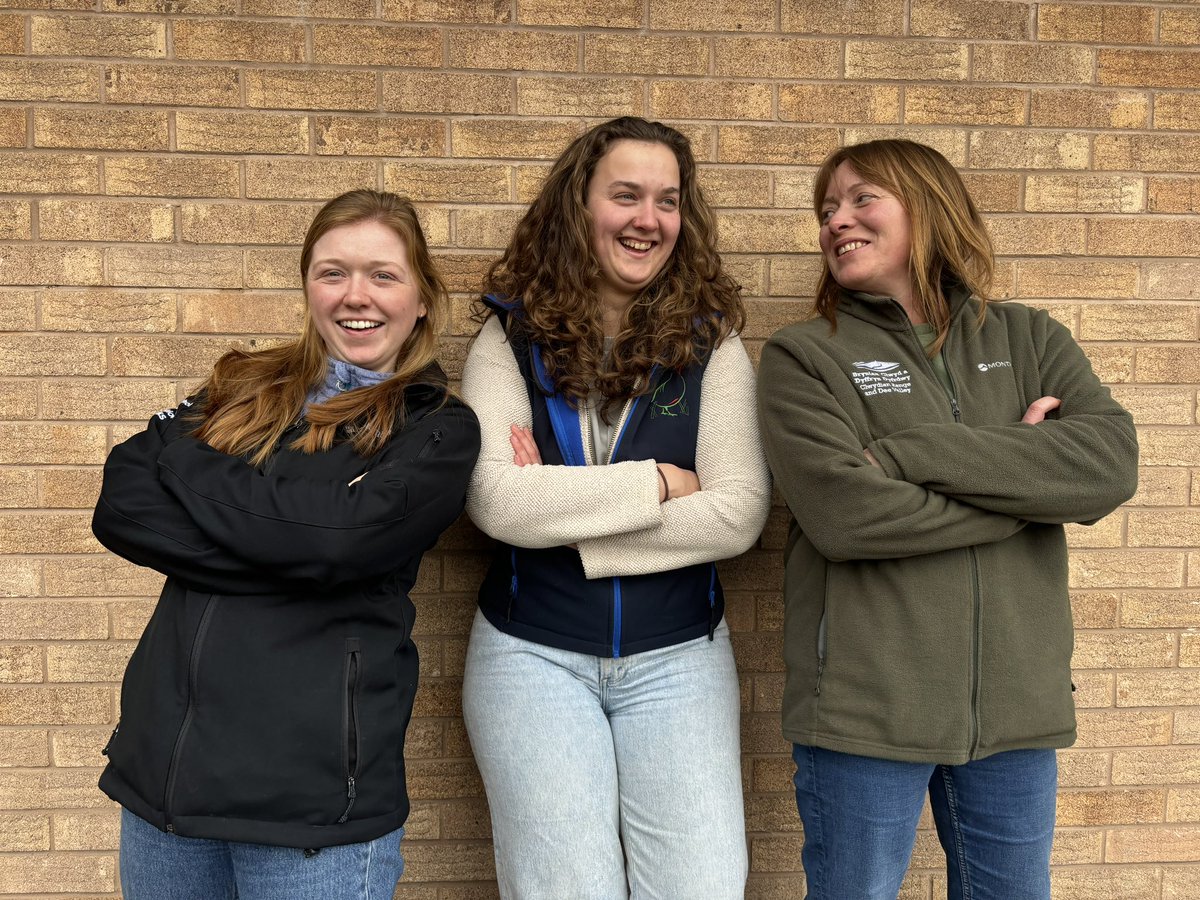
[549, 265]
[251, 398]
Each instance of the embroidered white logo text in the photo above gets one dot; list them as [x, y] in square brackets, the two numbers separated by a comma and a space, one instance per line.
[877, 377]
[999, 364]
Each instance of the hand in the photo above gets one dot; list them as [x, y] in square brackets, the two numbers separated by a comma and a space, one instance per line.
[679, 482]
[871, 458]
[1039, 408]
[525, 449]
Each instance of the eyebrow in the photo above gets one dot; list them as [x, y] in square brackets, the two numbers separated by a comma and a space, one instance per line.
[638, 187]
[849, 188]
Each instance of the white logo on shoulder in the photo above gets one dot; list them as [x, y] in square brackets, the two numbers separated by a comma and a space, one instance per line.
[999, 364]
[878, 377]
[170, 413]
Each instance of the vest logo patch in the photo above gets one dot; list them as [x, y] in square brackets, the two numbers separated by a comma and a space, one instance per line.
[670, 397]
[878, 377]
[999, 364]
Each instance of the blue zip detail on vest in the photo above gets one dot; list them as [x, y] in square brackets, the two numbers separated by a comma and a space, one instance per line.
[512, 588]
[616, 616]
[712, 600]
[563, 418]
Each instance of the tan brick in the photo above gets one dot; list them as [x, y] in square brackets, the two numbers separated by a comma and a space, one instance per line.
[104, 310]
[12, 35]
[24, 832]
[317, 9]
[18, 310]
[237, 312]
[1148, 152]
[129, 618]
[842, 17]
[1123, 650]
[1179, 26]
[172, 85]
[1083, 193]
[104, 399]
[18, 490]
[37, 264]
[108, 37]
[1097, 609]
[207, 267]
[1092, 690]
[61, 356]
[167, 356]
[1087, 108]
[1137, 321]
[1032, 64]
[1181, 883]
[823, 103]
[1189, 650]
[1150, 406]
[100, 576]
[1164, 528]
[1148, 68]
[49, 173]
[485, 228]
[726, 187]
[50, 789]
[21, 664]
[246, 223]
[100, 129]
[268, 269]
[1168, 364]
[951, 143]
[1075, 847]
[25, 747]
[374, 45]
[615, 14]
[904, 60]
[447, 92]
[711, 99]
[310, 89]
[57, 705]
[225, 132]
[234, 40]
[18, 399]
[12, 127]
[375, 136]
[1108, 883]
[446, 861]
[964, 105]
[527, 139]
[63, 488]
[1168, 447]
[767, 232]
[629, 54]
[994, 191]
[306, 179]
[770, 57]
[1175, 280]
[1026, 149]
[1107, 533]
[52, 872]
[104, 220]
[1091, 569]
[487, 12]
[42, 81]
[1162, 688]
[1187, 726]
[1159, 486]
[1085, 23]
[1153, 845]
[1084, 278]
[174, 176]
[765, 144]
[514, 50]
[750, 272]
[1036, 235]
[1124, 237]
[43, 532]
[1183, 805]
[598, 97]
[713, 15]
[1110, 807]
[184, 7]
[1177, 111]
[972, 19]
[87, 662]
[87, 831]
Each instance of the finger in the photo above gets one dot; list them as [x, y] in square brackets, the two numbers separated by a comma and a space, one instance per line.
[1039, 408]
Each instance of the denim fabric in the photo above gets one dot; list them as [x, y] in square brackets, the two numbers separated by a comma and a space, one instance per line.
[160, 866]
[995, 820]
[609, 778]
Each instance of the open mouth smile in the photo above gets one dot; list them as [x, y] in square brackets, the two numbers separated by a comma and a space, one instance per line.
[359, 324]
[843, 249]
[635, 245]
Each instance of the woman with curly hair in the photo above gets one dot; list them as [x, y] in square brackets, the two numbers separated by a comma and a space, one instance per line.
[620, 457]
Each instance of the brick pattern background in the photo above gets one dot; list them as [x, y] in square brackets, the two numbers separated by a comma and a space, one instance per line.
[160, 159]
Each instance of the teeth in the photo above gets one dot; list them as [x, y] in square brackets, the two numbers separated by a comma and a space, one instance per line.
[358, 324]
[636, 245]
[853, 245]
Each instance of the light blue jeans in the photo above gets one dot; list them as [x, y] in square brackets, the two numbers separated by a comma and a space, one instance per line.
[160, 866]
[994, 816]
[609, 778]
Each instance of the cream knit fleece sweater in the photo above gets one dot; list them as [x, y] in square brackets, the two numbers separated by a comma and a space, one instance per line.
[612, 512]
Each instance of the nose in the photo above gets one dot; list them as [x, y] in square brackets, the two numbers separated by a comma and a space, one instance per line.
[644, 218]
[356, 291]
[841, 218]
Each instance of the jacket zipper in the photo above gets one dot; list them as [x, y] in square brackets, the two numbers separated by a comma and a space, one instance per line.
[350, 724]
[822, 639]
[618, 433]
[431, 444]
[712, 600]
[193, 670]
[512, 587]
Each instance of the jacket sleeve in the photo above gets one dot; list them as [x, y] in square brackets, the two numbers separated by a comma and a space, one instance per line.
[848, 508]
[722, 519]
[328, 531]
[541, 506]
[138, 519]
[1077, 467]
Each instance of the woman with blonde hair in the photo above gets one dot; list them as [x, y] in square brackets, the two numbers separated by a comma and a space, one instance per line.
[259, 753]
[620, 457]
[930, 445]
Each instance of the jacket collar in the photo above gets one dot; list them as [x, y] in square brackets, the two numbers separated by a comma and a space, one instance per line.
[886, 313]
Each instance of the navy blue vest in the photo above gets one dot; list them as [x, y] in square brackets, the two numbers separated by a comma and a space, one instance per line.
[543, 595]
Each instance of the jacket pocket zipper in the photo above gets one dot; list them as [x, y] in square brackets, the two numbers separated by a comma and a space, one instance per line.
[350, 722]
[434, 439]
[822, 640]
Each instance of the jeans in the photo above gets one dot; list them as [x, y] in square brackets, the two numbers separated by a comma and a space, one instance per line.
[609, 778]
[160, 866]
[994, 817]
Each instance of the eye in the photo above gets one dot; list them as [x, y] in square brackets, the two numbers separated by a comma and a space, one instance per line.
[669, 202]
[825, 215]
[864, 197]
[625, 196]
[328, 274]
[385, 276]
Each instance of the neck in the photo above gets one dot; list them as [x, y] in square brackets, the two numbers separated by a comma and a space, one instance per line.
[612, 311]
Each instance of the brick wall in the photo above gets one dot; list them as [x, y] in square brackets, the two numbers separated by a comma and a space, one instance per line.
[161, 158]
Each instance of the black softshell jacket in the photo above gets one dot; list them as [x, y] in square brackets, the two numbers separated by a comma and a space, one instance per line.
[268, 698]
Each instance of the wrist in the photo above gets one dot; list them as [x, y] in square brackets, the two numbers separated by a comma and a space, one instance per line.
[665, 493]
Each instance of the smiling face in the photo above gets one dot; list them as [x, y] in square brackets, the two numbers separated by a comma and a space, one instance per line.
[361, 294]
[866, 236]
[633, 198]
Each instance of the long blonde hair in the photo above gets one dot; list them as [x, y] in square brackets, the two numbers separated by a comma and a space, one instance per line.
[251, 398]
[950, 243]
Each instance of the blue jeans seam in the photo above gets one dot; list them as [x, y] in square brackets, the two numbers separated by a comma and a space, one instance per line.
[820, 828]
[956, 828]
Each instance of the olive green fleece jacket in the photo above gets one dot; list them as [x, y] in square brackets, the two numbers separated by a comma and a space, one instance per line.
[927, 617]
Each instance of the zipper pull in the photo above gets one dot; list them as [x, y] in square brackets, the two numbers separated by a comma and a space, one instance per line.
[351, 794]
[957, 412]
[108, 743]
[820, 672]
[712, 614]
